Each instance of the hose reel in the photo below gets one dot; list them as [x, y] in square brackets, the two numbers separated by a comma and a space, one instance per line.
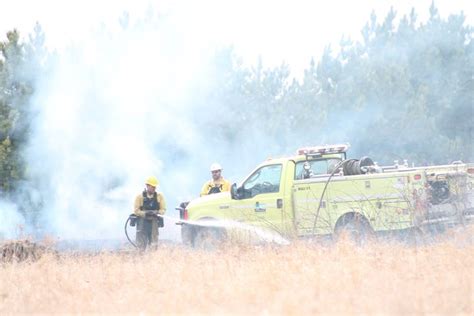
[352, 167]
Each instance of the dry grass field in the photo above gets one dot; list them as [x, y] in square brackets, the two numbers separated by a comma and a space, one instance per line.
[300, 279]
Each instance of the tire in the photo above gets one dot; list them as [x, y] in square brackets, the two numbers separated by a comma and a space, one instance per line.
[208, 238]
[187, 234]
[355, 227]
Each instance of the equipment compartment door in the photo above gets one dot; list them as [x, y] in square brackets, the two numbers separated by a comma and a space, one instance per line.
[306, 198]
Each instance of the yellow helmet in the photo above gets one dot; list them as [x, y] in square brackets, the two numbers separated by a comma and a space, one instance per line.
[152, 181]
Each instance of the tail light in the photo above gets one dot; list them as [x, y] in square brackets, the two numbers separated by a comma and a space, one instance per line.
[417, 176]
[183, 213]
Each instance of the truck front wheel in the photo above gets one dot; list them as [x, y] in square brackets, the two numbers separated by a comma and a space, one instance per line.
[187, 234]
[208, 238]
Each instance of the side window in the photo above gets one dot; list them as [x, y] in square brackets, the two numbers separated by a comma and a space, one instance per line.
[264, 180]
[312, 168]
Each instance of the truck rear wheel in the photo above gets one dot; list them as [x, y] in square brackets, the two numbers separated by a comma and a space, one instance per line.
[355, 227]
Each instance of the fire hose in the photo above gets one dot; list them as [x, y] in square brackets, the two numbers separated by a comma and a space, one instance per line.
[132, 219]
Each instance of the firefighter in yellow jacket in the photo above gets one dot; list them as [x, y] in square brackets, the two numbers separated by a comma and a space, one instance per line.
[148, 205]
[217, 183]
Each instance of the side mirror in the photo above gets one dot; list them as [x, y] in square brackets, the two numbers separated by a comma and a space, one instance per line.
[233, 191]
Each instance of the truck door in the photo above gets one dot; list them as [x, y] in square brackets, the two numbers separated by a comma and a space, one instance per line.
[260, 200]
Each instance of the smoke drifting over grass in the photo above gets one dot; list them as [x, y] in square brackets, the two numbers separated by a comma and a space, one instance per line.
[117, 108]
[113, 109]
[11, 221]
[106, 113]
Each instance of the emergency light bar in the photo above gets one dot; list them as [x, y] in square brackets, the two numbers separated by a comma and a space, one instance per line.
[327, 149]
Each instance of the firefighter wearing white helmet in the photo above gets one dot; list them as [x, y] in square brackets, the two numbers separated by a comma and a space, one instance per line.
[148, 206]
[217, 184]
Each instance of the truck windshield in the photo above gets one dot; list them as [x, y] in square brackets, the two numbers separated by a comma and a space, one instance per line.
[312, 168]
[264, 180]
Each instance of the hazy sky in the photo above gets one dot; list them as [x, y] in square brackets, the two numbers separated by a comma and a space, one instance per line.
[290, 31]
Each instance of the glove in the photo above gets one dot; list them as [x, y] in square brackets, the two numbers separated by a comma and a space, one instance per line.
[151, 213]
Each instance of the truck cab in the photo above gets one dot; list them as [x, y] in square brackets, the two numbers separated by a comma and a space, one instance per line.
[264, 198]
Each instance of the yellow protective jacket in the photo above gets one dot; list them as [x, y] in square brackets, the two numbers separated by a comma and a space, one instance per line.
[221, 183]
[139, 203]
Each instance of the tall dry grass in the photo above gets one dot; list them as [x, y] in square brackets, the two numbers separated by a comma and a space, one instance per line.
[299, 279]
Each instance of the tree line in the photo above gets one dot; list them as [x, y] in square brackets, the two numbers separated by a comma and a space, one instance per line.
[405, 91]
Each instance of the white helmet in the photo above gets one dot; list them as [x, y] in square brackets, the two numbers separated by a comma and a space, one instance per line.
[215, 166]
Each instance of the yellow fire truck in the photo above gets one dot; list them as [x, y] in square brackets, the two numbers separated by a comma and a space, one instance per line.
[319, 191]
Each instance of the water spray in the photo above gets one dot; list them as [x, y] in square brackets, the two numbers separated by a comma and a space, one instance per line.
[261, 233]
[265, 235]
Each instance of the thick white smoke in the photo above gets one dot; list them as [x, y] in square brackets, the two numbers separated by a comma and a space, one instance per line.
[12, 223]
[103, 113]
